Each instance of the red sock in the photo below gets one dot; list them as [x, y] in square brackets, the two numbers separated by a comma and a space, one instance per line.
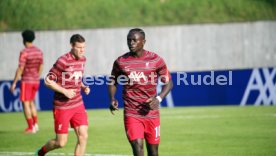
[35, 119]
[30, 123]
[42, 151]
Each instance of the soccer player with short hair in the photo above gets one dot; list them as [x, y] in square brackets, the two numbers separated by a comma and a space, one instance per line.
[65, 78]
[141, 102]
[29, 69]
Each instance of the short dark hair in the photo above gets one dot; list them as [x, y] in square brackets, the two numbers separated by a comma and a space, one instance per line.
[139, 30]
[28, 35]
[76, 38]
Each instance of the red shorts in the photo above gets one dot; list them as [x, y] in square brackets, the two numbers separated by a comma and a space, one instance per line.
[28, 91]
[75, 116]
[148, 128]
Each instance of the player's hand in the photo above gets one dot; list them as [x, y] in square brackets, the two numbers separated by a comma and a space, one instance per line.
[86, 90]
[69, 93]
[113, 106]
[153, 103]
[12, 87]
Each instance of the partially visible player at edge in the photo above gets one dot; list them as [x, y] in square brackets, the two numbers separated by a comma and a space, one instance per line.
[29, 69]
[65, 78]
[141, 102]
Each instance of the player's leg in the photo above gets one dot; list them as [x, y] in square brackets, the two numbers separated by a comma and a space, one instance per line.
[25, 98]
[35, 88]
[152, 135]
[137, 147]
[134, 129]
[62, 118]
[79, 122]
[27, 109]
[34, 115]
[82, 135]
[33, 109]
[152, 149]
[28, 116]
[59, 142]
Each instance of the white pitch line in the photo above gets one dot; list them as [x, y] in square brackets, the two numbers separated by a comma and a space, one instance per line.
[32, 153]
[215, 116]
[193, 116]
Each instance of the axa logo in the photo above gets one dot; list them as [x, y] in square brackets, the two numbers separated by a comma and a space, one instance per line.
[137, 76]
[69, 76]
[263, 82]
[75, 75]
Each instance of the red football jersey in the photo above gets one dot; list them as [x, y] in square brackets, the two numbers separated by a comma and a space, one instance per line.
[68, 72]
[30, 59]
[142, 78]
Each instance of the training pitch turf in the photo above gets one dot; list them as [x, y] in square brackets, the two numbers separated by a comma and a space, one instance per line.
[191, 131]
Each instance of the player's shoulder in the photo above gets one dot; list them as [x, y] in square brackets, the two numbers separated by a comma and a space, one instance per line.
[152, 55]
[123, 57]
[37, 49]
[63, 58]
[24, 50]
[31, 50]
[24, 53]
[83, 58]
[67, 58]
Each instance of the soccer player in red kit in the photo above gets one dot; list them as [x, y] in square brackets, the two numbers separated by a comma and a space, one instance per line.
[29, 69]
[141, 69]
[65, 78]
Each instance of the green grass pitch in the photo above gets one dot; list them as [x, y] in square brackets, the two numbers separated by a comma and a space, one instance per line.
[191, 131]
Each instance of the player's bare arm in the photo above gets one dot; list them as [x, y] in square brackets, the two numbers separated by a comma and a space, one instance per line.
[154, 101]
[69, 93]
[40, 69]
[113, 102]
[16, 77]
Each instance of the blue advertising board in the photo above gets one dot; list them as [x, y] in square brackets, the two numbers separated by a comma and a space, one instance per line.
[225, 87]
